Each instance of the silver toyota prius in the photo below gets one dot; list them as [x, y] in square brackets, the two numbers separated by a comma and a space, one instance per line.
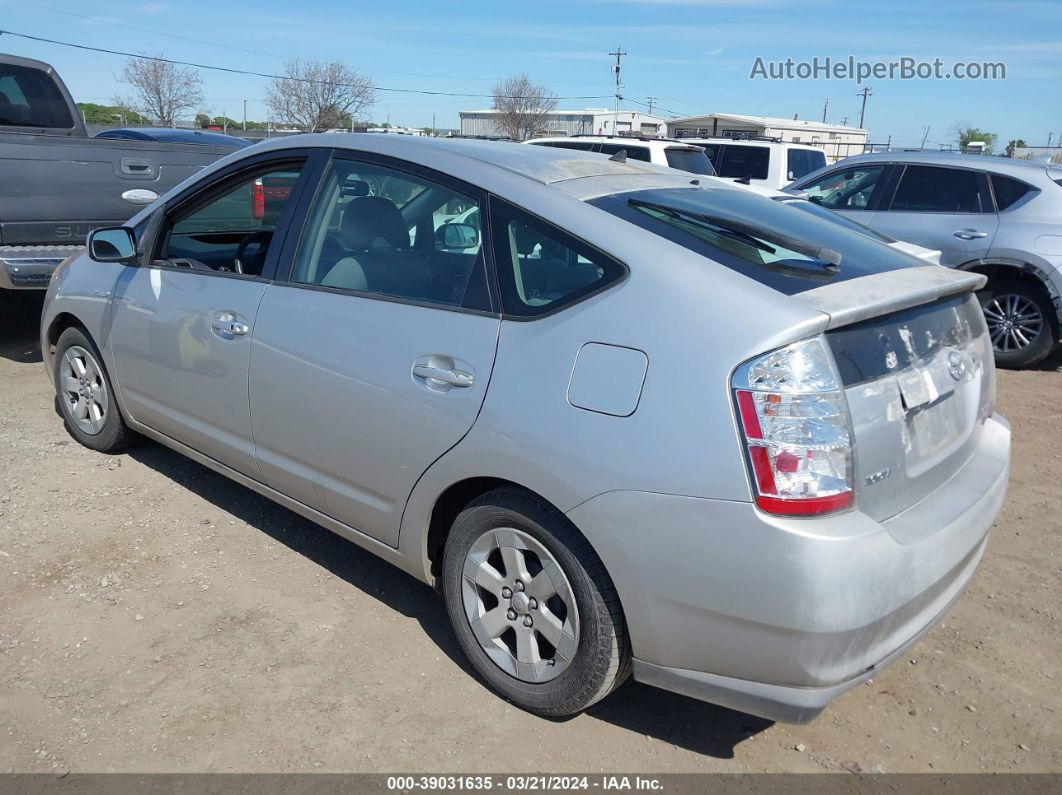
[627, 423]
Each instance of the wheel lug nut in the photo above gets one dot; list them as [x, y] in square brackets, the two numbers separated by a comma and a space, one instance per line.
[527, 621]
[511, 615]
[532, 603]
[518, 585]
[507, 593]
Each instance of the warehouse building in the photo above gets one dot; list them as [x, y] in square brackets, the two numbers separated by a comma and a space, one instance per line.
[838, 141]
[589, 121]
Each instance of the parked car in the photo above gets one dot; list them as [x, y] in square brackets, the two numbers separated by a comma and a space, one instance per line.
[58, 184]
[735, 449]
[175, 136]
[660, 151]
[765, 162]
[988, 215]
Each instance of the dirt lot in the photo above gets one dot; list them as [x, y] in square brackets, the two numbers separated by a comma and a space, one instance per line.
[156, 617]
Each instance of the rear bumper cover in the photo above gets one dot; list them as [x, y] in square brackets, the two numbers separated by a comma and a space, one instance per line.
[776, 617]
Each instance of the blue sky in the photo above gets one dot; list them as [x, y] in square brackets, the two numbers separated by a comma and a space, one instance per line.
[693, 55]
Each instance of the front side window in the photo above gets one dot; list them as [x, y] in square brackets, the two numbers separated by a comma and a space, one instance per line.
[540, 267]
[377, 230]
[29, 98]
[230, 228]
[800, 162]
[932, 189]
[849, 189]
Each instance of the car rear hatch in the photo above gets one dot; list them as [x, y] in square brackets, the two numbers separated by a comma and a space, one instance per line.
[917, 366]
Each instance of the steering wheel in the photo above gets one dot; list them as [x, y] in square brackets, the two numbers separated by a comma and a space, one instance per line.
[261, 238]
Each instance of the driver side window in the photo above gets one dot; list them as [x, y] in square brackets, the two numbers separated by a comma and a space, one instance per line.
[230, 229]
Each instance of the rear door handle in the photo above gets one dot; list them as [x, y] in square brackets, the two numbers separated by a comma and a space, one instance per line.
[229, 324]
[454, 377]
[969, 234]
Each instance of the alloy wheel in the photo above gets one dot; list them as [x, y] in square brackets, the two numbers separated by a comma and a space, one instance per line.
[84, 390]
[520, 605]
[1014, 322]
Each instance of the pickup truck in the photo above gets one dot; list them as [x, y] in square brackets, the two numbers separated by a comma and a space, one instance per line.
[57, 183]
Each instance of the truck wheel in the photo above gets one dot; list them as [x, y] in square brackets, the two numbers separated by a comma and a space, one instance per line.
[532, 605]
[85, 397]
[1022, 323]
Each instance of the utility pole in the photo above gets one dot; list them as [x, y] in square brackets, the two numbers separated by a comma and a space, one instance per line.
[651, 101]
[245, 114]
[619, 53]
[925, 135]
[866, 92]
[224, 121]
[844, 121]
[824, 107]
[433, 125]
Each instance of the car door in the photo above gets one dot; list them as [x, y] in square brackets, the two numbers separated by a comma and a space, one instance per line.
[373, 358]
[853, 191]
[947, 209]
[182, 322]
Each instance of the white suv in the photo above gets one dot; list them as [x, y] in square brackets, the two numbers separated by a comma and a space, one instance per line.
[772, 164]
[661, 151]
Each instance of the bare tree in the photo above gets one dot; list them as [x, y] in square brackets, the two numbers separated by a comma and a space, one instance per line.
[522, 107]
[161, 89]
[316, 95]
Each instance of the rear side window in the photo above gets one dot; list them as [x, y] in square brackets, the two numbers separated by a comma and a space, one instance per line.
[800, 162]
[692, 160]
[29, 98]
[1008, 190]
[932, 189]
[540, 267]
[743, 162]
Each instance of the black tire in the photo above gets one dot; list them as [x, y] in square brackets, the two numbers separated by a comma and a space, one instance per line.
[114, 435]
[602, 658]
[1040, 346]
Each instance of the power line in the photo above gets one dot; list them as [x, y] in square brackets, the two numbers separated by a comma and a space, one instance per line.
[266, 75]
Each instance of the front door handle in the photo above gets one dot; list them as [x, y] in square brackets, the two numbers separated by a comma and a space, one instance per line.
[229, 324]
[969, 234]
[453, 377]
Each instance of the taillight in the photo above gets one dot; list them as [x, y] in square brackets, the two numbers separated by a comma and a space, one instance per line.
[794, 418]
[257, 200]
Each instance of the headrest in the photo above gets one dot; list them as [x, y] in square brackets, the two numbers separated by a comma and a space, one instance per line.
[355, 187]
[526, 238]
[370, 218]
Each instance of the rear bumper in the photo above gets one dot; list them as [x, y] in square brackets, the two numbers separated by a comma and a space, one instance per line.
[776, 617]
[30, 267]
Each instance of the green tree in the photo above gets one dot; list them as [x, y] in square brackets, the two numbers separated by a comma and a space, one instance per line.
[1015, 143]
[968, 134]
[113, 115]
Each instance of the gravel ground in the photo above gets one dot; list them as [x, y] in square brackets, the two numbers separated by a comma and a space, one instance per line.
[156, 617]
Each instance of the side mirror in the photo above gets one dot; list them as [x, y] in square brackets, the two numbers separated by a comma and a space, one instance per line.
[459, 236]
[112, 244]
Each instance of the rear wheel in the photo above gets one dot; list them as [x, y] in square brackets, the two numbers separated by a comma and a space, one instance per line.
[1022, 323]
[85, 397]
[532, 605]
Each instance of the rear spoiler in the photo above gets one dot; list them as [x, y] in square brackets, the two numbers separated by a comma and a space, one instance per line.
[878, 294]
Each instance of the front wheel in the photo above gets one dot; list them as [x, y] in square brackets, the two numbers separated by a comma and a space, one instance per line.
[85, 397]
[532, 605]
[1022, 323]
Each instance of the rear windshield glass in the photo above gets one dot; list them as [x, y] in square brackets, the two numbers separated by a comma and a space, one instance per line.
[692, 160]
[742, 162]
[800, 162]
[779, 246]
[818, 210]
[29, 98]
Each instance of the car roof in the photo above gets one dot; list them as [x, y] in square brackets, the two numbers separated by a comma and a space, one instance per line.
[1021, 169]
[543, 164]
[626, 140]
